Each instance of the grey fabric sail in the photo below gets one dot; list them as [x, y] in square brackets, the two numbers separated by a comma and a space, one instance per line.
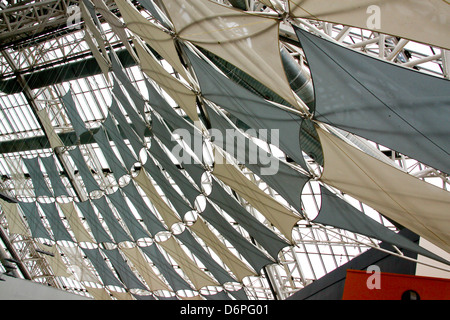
[251, 253]
[156, 12]
[117, 68]
[338, 213]
[135, 141]
[114, 134]
[239, 294]
[94, 223]
[138, 123]
[216, 270]
[287, 181]
[105, 273]
[124, 272]
[116, 166]
[40, 187]
[149, 218]
[77, 123]
[55, 220]
[222, 295]
[183, 183]
[194, 169]
[175, 281]
[34, 220]
[249, 108]
[161, 106]
[133, 225]
[89, 181]
[402, 109]
[55, 179]
[180, 205]
[113, 224]
[264, 236]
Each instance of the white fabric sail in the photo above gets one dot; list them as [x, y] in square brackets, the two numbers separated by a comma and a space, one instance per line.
[15, 222]
[198, 277]
[80, 232]
[75, 261]
[425, 21]
[283, 219]
[239, 268]
[182, 95]
[49, 130]
[248, 41]
[158, 39]
[415, 204]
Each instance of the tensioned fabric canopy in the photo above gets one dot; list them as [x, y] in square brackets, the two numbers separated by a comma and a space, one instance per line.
[401, 18]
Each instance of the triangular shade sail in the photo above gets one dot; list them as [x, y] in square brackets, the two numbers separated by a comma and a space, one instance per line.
[94, 223]
[340, 214]
[239, 269]
[402, 109]
[250, 108]
[55, 179]
[401, 18]
[197, 276]
[182, 95]
[73, 113]
[78, 265]
[34, 169]
[100, 265]
[144, 269]
[15, 222]
[162, 42]
[276, 173]
[58, 228]
[34, 220]
[417, 205]
[264, 236]
[155, 11]
[89, 181]
[248, 41]
[49, 129]
[55, 261]
[283, 219]
[80, 232]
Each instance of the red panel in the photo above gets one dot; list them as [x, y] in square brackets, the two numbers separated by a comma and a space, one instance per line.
[392, 286]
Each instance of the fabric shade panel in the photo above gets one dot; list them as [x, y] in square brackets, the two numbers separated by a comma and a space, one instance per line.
[123, 270]
[399, 108]
[175, 281]
[121, 75]
[255, 257]
[177, 90]
[158, 39]
[34, 220]
[78, 265]
[112, 222]
[286, 180]
[338, 213]
[149, 218]
[137, 122]
[126, 129]
[197, 276]
[400, 18]
[130, 220]
[144, 269]
[417, 205]
[72, 112]
[98, 261]
[83, 170]
[265, 237]
[278, 215]
[168, 215]
[99, 293]
[237, 267]
[236, 36]
[16, 224]
[187, 239]
[55, 261]
[49, 129]
[55, 179]
[150, 6]
[181, 206]
[58, 228]
[114, 163]
[249, 108]
[114, 134]
[37, 177]
[93, 221]
[92, 22]
[188, 189]
[101, 61]
[80, 232]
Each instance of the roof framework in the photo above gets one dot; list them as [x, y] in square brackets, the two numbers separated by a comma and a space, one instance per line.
[35, 37]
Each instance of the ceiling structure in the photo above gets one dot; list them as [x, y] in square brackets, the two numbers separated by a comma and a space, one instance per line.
[95, 201]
